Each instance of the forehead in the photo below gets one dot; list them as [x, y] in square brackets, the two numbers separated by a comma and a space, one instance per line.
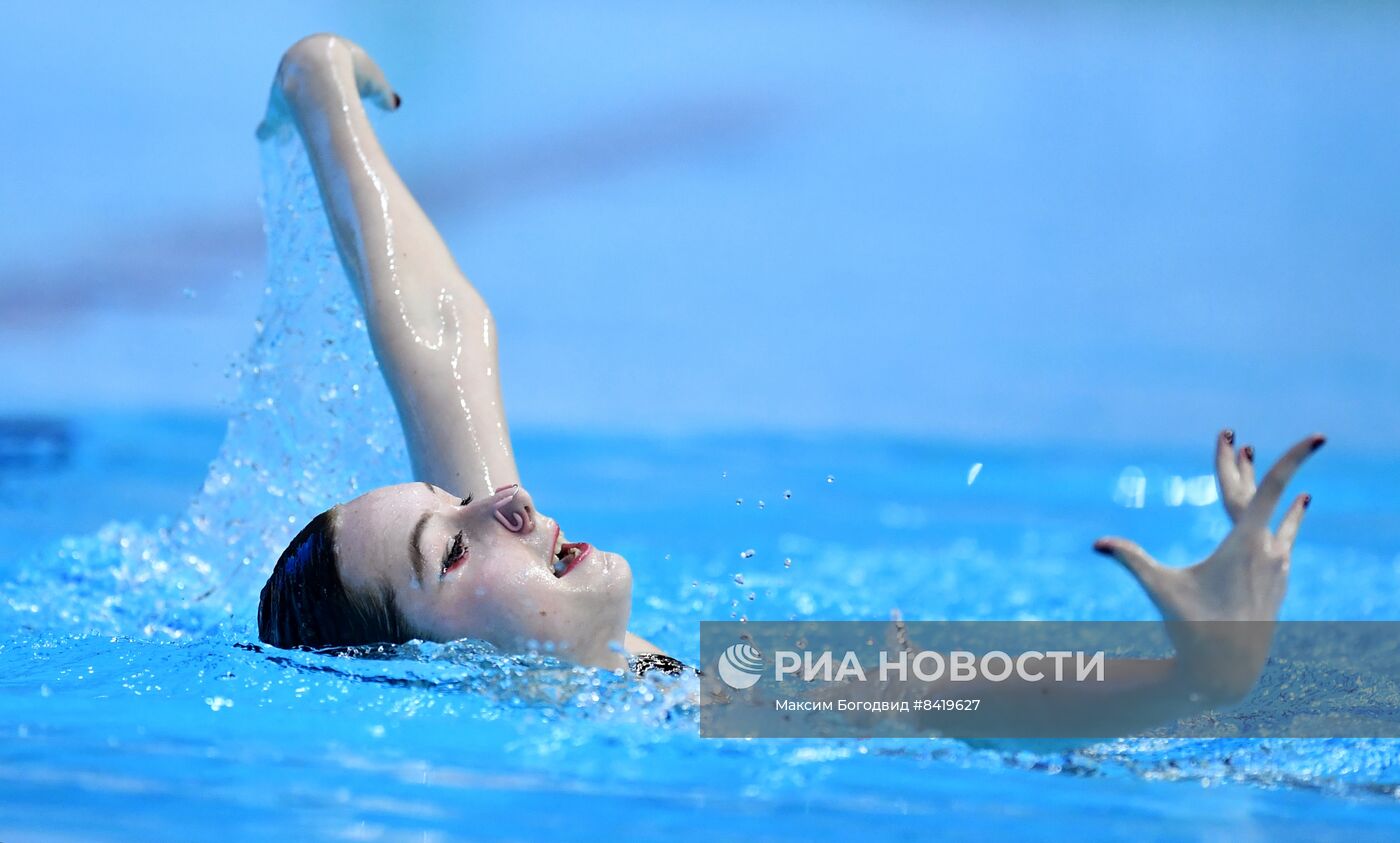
[392, 501]
[373, 531]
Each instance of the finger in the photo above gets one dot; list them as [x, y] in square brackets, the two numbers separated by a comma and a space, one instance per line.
[1244, 464]
[1272, 486]
[1130, 554]
[1225, 470]
[1288, 527]
[1227, 474]
[1241, 492]
[370, 80]
[1141, 565]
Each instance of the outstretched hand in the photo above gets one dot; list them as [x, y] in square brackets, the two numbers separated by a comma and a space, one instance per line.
[1243, 580]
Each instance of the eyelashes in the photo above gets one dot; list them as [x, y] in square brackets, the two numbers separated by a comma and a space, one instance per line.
[457, 553]
[465, 501]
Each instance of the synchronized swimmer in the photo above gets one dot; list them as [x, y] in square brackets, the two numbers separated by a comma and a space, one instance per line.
[463, 551]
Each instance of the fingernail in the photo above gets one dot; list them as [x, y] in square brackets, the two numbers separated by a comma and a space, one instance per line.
[1319, 442]
[1229, 436]
[1307, 501]
[1103, 546]
[1249, 452]
[398, 101]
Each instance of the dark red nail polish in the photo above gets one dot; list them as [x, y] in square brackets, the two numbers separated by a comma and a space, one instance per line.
[1230, 436]
[1307, 501]
[398, 101]
[1249, 452]
[1319, 442]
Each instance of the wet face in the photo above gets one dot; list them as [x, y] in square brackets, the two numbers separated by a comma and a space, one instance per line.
[493, 569]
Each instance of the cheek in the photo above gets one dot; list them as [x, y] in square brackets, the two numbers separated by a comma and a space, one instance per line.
[502, 599]
[511, 600]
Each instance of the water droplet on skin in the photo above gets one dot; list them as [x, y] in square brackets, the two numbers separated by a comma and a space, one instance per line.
[831, 478]
[738, 579]
[747, 554]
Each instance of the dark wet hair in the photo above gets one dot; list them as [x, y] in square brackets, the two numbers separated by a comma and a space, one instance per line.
[305, 604]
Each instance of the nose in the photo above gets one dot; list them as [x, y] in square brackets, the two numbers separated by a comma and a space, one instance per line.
[515, 509]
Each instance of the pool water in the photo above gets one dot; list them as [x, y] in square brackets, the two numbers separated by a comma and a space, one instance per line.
[136, 704]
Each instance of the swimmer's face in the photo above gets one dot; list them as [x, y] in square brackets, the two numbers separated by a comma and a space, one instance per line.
[493, 569]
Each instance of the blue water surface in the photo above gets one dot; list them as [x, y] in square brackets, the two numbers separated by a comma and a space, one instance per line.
[131, 712]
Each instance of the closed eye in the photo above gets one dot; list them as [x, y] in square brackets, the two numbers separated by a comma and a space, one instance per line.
[457, 553]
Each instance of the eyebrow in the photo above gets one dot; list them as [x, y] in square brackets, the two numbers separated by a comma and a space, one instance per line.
[415, 547]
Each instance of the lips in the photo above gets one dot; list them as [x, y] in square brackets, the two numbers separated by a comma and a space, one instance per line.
[569, 556]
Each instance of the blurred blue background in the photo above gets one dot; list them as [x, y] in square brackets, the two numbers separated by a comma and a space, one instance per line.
[976, 222]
